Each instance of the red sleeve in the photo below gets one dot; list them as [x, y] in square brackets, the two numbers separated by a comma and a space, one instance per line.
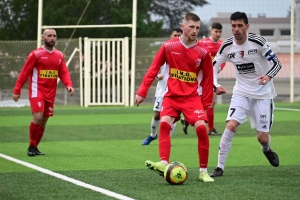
[25, 72]
[207, 81]
[64, 74]
[152, 72]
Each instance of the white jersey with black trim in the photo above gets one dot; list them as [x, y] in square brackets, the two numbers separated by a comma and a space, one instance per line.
[161, 87]
[252, 59]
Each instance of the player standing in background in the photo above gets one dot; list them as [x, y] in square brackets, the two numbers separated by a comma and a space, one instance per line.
[190, 65]
[43, 67]
[159, 94]
[255, 65]
[213, 43]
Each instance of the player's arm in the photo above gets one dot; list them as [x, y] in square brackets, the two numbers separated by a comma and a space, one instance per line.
[272, 58]
[24, 74]
[160, 77]
[207, 81]
[152, 72]
[64, 75]
[218, 60]
[221, 67]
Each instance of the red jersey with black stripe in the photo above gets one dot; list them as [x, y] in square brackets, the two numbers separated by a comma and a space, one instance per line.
[43, 68]
[188, 68]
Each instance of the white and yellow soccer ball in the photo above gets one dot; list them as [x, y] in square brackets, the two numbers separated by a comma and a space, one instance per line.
[176, 173]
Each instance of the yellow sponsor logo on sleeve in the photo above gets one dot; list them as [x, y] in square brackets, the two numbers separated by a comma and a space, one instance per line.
[183, 75]
[49, 74]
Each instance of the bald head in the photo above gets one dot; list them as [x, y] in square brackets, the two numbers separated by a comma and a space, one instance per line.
[49, 38]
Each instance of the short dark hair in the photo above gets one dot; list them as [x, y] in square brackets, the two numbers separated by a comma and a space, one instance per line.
[191, 16]
[217, 25]
[179, 30]
[239, 15]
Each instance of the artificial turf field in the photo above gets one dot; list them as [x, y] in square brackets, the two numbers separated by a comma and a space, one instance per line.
[101, 147]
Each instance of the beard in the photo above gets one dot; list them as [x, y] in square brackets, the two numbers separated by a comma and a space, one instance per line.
[49, 44]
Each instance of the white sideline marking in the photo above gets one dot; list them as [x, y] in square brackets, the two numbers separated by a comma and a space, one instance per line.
[290, 109]
[65, 178]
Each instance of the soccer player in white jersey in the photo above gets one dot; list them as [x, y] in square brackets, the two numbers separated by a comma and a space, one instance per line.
[255, 65]
[159, 93]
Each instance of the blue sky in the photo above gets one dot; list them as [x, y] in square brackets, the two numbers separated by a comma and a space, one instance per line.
[272, 8]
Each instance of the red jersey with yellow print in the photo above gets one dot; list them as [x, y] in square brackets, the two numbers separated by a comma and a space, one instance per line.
[188, 67]
[43, 68]
[213, 47]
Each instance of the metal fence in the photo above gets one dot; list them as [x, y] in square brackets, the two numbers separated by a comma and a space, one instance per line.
[14, 53]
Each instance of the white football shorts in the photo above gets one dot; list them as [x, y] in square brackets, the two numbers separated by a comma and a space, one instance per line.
[157, 104]
[259, 111]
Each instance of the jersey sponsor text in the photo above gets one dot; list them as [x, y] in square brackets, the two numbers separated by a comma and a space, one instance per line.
[246, 68]
[49, 74]
[184, 76]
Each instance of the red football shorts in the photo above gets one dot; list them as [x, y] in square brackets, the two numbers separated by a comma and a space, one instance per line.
[40, 105]
[190, 106]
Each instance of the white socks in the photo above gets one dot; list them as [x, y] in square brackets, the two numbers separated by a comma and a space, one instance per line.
[265, 147]
[224, 148]
[164, 162]
[154, 127]
[172, 129]
[203, 170]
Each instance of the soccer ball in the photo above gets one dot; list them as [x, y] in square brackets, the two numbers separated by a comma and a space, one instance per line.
[175, 173]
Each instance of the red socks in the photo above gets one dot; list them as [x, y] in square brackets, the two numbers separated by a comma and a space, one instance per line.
[164, 141]
[36, 133]
[210, 117]
[39, 135]
[203, 146]
[33, 131]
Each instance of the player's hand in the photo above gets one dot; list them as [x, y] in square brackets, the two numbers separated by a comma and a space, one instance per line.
[15, 97]
[71, 90]
[263, 80]
[220, 90]
[138, 100]
[160, 77]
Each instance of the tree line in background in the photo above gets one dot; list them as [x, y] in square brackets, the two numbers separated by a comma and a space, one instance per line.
[18, 18]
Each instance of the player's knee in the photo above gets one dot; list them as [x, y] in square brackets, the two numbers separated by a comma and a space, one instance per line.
[38, 117]
[156, 116]
[232, 125]
[262, 137]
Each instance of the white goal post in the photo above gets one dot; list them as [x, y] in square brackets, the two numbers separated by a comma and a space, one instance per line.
[133, 41]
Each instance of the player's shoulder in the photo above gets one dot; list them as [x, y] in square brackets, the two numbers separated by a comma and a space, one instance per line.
[202, 45]
[58, 52]
[257, 39]
[204, 40]
[227, 43]
[37, 52]
[171, 41]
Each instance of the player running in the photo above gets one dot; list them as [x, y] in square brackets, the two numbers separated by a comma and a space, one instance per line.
[255, 67]
[159, 94]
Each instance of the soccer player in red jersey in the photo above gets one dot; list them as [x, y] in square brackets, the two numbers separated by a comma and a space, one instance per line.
[43, 67]
[189, 65]
[213, 43]
[159, 95]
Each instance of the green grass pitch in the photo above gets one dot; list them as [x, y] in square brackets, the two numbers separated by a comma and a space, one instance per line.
[101, 146]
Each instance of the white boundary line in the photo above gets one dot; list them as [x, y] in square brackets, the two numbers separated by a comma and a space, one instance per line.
[290, 109]
[68, 179]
